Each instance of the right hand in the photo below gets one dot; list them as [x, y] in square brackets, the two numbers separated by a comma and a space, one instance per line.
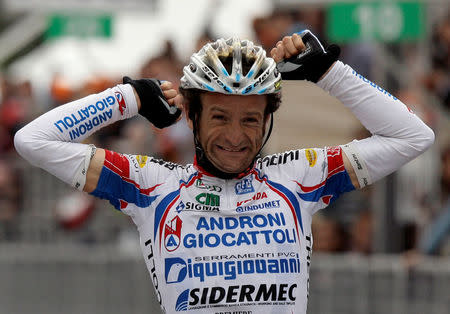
[159, 103]
[174, 98]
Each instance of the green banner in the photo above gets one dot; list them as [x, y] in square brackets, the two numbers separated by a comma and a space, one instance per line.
[82, 25]
[386, 21]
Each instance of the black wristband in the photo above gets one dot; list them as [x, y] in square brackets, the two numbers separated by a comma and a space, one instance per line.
[311, 63]
[154, 106]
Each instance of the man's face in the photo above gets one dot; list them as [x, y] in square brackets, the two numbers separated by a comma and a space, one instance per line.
[231, 129]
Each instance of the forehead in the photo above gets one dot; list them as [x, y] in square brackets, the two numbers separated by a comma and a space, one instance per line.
[234, 103]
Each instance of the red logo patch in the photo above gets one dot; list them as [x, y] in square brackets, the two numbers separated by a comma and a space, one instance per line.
[121, 101]
[172, 234]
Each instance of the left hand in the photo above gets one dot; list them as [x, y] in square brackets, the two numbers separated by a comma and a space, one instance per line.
[304, 57]
[288, 47]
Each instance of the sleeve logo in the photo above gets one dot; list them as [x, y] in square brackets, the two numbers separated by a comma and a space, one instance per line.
[121, 101]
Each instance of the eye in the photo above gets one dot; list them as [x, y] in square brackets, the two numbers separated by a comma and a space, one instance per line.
[251, 120]
[219, 117]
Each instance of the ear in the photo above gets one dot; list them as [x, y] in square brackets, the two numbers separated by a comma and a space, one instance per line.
[188, 120]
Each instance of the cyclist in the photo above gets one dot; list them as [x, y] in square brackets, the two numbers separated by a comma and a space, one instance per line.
[230, 233]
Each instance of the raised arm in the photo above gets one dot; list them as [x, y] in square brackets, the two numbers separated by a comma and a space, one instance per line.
[53, 140]
[398, 135]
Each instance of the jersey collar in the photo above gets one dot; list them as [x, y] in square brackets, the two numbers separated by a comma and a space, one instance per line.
[240, 175]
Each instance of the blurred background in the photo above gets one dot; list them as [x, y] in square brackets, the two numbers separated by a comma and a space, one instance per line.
[384, 249]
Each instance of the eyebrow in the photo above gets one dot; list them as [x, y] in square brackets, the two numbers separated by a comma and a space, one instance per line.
[224, 111]
[217, 109]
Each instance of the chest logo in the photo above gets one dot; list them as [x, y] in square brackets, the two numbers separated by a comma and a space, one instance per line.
[244, 186]
[212, 188]
[172, 234]
[208, 199]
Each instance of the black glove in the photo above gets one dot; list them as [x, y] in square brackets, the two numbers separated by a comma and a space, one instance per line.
[154, 106]
[312, 62]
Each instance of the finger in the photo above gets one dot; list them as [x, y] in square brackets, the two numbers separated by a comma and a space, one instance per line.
[273, 54]
[170, 93]
[280, 51]
[166, 85]
[178, 101]
[289, 46]
[298, 42]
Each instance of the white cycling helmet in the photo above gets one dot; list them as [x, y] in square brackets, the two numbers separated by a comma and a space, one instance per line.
[207, 72]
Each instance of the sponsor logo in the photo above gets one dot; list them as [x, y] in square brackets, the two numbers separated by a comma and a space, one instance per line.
[182, 301]
[172, 234]
[261, 79]
[262, 294]
[266, 205]
[215, 78]
[169, 165]
[278, 159]
[277, 85]
[256, 231]
[244, 256]
[358, 164]
[212, 188]
[180, 207]
[257, 196]
[208, 199]
[383, 91]
[308, 259]
[142, 160]
[199, 207]
[152, 268]
[333, 151]
[177, 269]
[85, 119]
[311, 156]
[244, 186]
[121, 101]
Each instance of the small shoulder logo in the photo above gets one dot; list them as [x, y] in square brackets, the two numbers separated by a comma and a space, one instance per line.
[333, 151]
[142, 160]
[244, 186]
[311, 156]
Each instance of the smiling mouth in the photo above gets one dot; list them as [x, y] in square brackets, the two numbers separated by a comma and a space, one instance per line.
[232, 150]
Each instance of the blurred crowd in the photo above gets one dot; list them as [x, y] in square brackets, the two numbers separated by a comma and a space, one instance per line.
[422, 205]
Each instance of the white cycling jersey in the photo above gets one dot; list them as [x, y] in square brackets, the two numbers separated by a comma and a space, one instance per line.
[227, 246]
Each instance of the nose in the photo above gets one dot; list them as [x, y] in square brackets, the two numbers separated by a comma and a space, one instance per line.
[235, 133]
